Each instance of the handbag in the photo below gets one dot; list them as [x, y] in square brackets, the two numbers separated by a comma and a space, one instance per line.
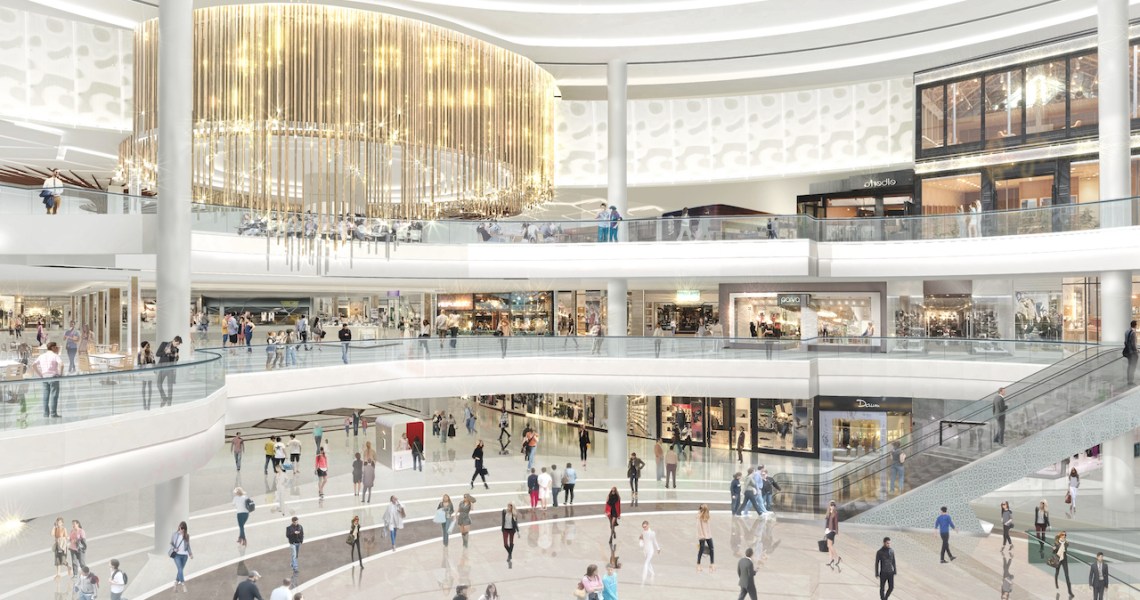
[350, 540]
[822, 545]
[1068, 498]
[440, 517]
[1053, 561]
[580, 593]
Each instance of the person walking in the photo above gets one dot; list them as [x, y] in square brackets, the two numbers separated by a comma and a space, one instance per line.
[242, 505]
[71, 343]
[1000, 408]
[613, 511]
[322, 471]
[77, 546]
[504, 332]
[704, 538]
[1061, 560]
[659, 458]
[591, 584]
[734, 493]
[318, 435]
[614, 218]
[480, 470]
[898, 473]
[1074, 485]
[671, 459]
[569, 478]
[367, 480]
[830, 531]
[294, 448]
[237, 447]
[885, 569]
[394, 519]
[610, 583]
[532, 488]
[1098, 577]
[1041, 525]
[555, 485]
[509, 526]
[49, 367]
[357, 474]
[280, 484]
[633, 472]
[746, 573]
[283, 591]
[491, 593]
[417, 454]
[247, 589]
[59, 547]
[463, 516]
[649, 548]
[583, 443]
[180, 551]
[752, 493]
[295, 535]
[353, 541]
[1006, 526]
[740, 446]
[445, 517]
[117, 582]
[1130, 352]
[531, 441]
[88, 585]
[345, 337]
[167, 356]
[944, 524]
[545, 483]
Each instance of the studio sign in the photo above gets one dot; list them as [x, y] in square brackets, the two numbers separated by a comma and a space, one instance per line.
[878, 183]
[861, 403]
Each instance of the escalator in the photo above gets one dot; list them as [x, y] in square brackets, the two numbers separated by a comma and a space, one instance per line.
[1063, 409]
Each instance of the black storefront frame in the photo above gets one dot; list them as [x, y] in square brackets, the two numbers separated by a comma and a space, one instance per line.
[1021, 140]
[883, 404]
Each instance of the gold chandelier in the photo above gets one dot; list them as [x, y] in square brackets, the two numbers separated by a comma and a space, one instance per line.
[329, 112]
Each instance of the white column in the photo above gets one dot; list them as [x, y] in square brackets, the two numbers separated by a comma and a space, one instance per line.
[1115, 305]
[616, 128]
[617, 406]
[175, 82]
[171, 505]
[1119, 473]
[1114, 118]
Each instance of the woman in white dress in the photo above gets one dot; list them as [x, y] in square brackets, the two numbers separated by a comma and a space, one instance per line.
[545, 481]
[650, 548]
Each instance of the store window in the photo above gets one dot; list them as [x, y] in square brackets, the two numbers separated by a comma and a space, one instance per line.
[1019, 193]
[759, 314]
[1081, 306]
[1083, 91]
[1045, 97]
[684, 418]
[933, 117]
[952, 196]
[1037, 315]
[787, 425]
[1004, 104]
[964, 113]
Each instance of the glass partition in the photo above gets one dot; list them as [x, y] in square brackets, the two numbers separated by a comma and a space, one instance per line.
[1004, 104]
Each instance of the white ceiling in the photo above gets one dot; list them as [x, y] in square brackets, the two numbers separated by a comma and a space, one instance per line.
[709, 47]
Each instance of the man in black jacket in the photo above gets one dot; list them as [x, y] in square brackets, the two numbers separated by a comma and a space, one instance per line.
[1098, 577]
[885, 569]
[746, 570]
[1130, 351]
[345, 335]
[296, 535]
[247, 590]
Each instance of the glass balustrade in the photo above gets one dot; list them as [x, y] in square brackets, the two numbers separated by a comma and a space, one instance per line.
[362, 231]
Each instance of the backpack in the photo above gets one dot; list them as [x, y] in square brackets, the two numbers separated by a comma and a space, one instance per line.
[250, 506]
[565, 480]
[123, 573]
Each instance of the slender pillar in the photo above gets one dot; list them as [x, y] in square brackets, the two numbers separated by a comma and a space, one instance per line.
[171, 505]
[616, 129]
[617, 406]
[1115, 305]
[172, 268]
[175, 81]
[1119, 473]
[1113, 111]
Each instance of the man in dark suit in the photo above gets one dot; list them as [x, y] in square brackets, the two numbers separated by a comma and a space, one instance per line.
[1098, 576]
[1000, 407]
[885, 569]
[746, 569]
[1130, 351]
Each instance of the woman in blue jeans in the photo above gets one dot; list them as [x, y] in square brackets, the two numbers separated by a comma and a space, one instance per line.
[241, 505]
[180, 552]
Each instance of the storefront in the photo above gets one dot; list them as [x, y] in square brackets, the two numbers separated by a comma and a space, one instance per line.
[529, 313]
[824, 313]
[889, 194]
[680, 312]
[578, 409]
[850, 427]
[770, 425]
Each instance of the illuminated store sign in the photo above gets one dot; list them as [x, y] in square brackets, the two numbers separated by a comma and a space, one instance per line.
[793, 300]
[688, 296]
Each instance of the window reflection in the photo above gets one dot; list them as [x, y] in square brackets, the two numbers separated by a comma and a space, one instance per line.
[1004, 100]
[965, 112]
[1083, 90]
[933, 115]
[1045, 97]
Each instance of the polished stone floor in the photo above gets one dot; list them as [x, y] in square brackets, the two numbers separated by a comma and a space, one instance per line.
[552, 550]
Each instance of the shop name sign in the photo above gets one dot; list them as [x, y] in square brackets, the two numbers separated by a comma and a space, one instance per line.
[792, 300]
[878, 183]
[861, 403]
[880, 180]
[688, 296]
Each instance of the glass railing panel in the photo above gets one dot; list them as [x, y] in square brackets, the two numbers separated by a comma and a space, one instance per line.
[18, 200]
[103, 394]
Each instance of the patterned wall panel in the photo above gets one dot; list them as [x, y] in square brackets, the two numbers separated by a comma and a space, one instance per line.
[840, 128]
[62, 71]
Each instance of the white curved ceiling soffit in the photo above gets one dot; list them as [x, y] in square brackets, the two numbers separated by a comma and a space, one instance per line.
[705, 47]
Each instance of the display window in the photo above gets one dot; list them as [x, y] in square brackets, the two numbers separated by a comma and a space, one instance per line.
[1081, 298]
[785, 425]
[1004, 104]
[1084, 90]
[1037, 316]
[759, 315]
[684, 419]
[851, 427]
[684, 319]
